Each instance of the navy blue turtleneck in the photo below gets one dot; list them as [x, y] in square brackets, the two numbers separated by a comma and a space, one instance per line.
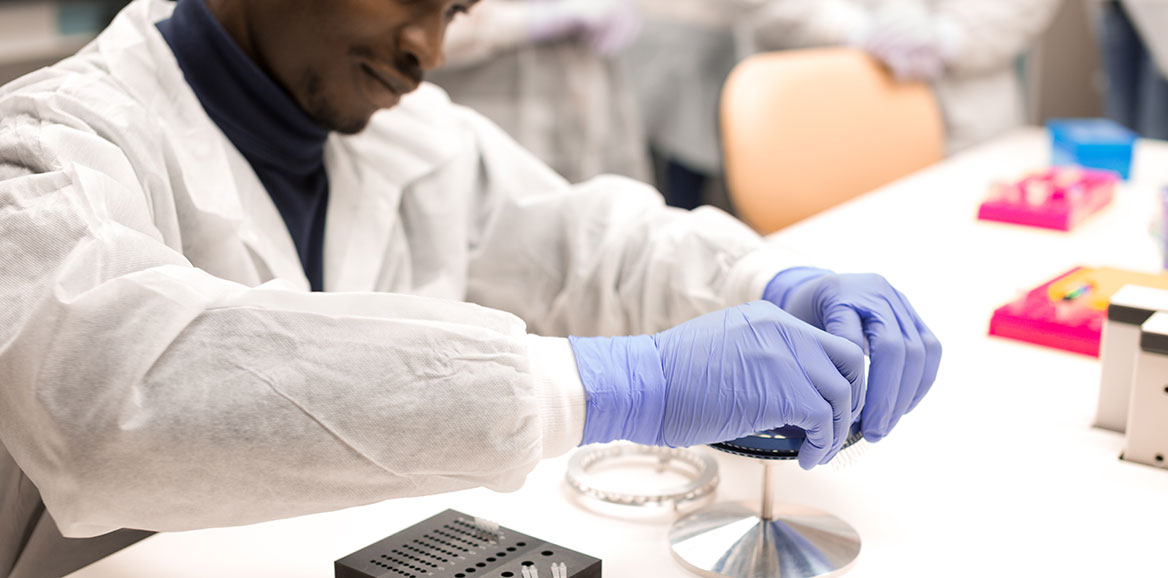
[282, 144]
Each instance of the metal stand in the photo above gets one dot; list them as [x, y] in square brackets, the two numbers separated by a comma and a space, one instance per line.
[779, 541]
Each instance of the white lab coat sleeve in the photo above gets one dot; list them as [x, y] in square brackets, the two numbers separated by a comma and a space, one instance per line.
[489, 28]
[606, 257]
[709, 15]
[141, 392]
[991, 35]
[794, 24]
[560, 394]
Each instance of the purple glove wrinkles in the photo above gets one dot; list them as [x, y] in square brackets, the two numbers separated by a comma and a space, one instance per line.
[868, 311]
[720, 377]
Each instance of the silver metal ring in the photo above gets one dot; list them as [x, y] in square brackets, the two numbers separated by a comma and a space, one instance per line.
[702, 471]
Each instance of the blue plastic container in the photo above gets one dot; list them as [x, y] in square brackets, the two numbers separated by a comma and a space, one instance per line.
[1093, 143]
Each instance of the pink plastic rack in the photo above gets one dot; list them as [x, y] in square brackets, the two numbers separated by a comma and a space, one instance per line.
[1059, 198]
[1070, 324]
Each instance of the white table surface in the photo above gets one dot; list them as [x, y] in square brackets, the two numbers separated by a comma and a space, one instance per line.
[997, 473]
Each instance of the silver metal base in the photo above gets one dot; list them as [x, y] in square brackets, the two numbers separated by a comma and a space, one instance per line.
[732, 540]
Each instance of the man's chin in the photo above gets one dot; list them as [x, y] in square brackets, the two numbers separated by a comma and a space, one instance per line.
[352, 128]
[346, 125]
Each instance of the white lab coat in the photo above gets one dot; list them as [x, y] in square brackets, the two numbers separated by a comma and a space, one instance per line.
[571, 107]
[165, 368]
[979, 93]
[1151, 21]
[678, 66]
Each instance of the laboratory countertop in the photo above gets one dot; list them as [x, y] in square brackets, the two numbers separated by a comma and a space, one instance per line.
[997, 473]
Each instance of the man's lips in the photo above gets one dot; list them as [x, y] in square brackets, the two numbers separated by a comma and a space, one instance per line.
[391, 80]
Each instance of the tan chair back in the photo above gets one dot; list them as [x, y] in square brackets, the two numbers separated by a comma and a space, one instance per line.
[805, 130]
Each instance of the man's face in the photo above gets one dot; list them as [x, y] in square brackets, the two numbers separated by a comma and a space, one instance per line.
[343, 60]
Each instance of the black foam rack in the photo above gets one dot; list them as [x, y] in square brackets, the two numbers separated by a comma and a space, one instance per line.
[451, 545]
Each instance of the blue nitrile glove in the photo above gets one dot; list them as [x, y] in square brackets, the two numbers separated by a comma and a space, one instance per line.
[720, 377]
[868, 311]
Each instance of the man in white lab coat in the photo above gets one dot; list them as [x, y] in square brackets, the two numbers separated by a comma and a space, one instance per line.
[170, 196]
[967, 49]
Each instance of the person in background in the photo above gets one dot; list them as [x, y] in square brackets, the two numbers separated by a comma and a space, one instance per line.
[110, 8]
[678, 66]
[544, 71]
[968, 50]
[1134, 48]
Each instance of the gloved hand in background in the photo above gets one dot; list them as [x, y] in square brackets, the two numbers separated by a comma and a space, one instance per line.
[914, 43]
[720, 377]
[867, 311]
[608, 25]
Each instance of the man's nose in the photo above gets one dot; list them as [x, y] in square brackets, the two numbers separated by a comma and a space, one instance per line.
[423, 41]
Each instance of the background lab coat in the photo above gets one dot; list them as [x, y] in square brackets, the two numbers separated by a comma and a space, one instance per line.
[1151, 20]
[164, 368]
[678, 66]
[980, 92]
[570, 106]
[1134, 52]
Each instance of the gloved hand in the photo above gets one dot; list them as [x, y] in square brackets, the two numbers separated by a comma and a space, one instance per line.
[721, 377]
[912, 42]
[608, 25]
[868, 311]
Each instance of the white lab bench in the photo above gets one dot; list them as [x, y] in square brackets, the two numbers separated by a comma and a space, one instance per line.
[997, 473]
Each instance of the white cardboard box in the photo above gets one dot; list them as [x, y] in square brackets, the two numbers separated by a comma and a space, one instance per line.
[1147, 421]
[1130, 307]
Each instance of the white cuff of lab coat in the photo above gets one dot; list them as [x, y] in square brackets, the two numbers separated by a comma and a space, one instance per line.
[751, 274]
[560, 393]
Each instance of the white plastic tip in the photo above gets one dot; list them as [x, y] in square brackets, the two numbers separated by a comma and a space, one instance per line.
[850, 455]
[486, 525]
